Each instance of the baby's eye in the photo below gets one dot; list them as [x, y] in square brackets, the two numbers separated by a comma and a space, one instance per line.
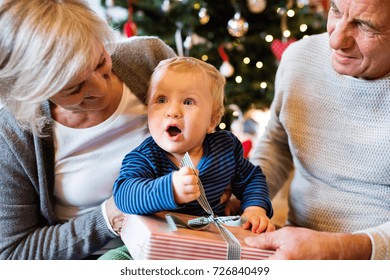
[162, 100]
[188, 102]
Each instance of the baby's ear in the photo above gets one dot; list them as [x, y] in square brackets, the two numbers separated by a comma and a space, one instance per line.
[215, 119]
[210, 130]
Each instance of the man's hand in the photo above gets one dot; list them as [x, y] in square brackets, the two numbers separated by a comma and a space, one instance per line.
[292, 243]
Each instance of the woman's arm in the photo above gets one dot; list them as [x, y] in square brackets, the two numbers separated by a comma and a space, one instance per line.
[28, 227]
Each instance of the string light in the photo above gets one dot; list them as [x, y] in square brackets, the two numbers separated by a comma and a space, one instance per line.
[205, 57]
[246, 60]
[290, 13]
[238, 79]
[259, 64]
[263, 85]
[269, 38]
[222, 125]
[303, 27]
[196, 6]
[281, 11]
[286, 33]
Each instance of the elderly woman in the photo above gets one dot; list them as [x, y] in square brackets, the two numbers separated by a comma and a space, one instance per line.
[72, 107]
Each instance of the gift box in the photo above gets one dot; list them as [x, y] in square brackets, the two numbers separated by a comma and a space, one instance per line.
[149, 237]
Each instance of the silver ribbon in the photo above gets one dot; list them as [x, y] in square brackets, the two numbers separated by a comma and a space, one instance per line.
[234, 247]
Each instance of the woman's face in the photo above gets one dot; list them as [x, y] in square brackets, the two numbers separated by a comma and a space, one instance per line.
[92, 89]
[359, 36]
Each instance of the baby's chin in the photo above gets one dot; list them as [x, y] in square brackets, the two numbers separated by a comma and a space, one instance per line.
[173, 148]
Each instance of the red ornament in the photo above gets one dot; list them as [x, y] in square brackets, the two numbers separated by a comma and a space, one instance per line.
[326, 4]
[278, 47]
[226, 68]
[247, 147]
[130, 28]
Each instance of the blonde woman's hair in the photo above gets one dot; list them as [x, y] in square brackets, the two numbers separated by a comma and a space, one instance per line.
[44, 44]
[190, 64]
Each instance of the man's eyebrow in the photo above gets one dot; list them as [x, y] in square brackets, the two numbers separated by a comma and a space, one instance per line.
[370, 24]
[333, 5]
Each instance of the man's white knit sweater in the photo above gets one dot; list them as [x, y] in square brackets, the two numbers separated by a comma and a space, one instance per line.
[335, 131]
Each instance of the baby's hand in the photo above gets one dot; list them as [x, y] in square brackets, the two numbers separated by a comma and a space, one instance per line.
[256, 219]
[185, 185]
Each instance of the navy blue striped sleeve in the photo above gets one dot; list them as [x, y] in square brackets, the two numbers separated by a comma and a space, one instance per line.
[143, 188]
[249, 183]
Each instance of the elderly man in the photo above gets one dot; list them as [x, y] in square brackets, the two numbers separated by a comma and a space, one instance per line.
[331, 123]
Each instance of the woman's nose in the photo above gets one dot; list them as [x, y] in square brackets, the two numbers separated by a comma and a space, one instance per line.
[96, 84]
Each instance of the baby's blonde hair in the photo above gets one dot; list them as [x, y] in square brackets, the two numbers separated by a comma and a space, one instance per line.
[191, 64]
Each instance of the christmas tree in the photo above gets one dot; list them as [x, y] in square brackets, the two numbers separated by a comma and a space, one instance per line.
[244, 39]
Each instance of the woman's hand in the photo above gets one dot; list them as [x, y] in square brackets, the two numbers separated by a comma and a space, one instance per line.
[114, 215]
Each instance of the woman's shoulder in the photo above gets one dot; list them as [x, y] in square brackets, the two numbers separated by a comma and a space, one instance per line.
[142, 40]
[8, 122]
[134, 60]
[134, 46]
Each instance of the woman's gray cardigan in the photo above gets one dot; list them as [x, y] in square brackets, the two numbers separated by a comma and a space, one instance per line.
[28, 226]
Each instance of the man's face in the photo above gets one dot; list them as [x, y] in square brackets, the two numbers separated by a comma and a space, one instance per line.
[359, 36]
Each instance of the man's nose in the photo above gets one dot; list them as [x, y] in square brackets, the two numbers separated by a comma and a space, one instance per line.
[342, 36]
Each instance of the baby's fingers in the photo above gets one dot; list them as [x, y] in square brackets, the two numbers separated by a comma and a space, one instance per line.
[265, 225]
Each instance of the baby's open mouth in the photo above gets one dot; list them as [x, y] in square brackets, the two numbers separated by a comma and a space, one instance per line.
[173, 130]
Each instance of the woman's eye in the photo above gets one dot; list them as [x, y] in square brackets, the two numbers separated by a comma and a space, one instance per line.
[101, 64]
[188, 102]
[161, 100]
[77, 90]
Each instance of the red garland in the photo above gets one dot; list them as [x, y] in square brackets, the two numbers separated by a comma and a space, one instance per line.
[279, 46]
[222, 53]
[130, 28]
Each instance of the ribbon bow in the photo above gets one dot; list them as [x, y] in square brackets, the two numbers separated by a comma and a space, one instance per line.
[234, 247]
